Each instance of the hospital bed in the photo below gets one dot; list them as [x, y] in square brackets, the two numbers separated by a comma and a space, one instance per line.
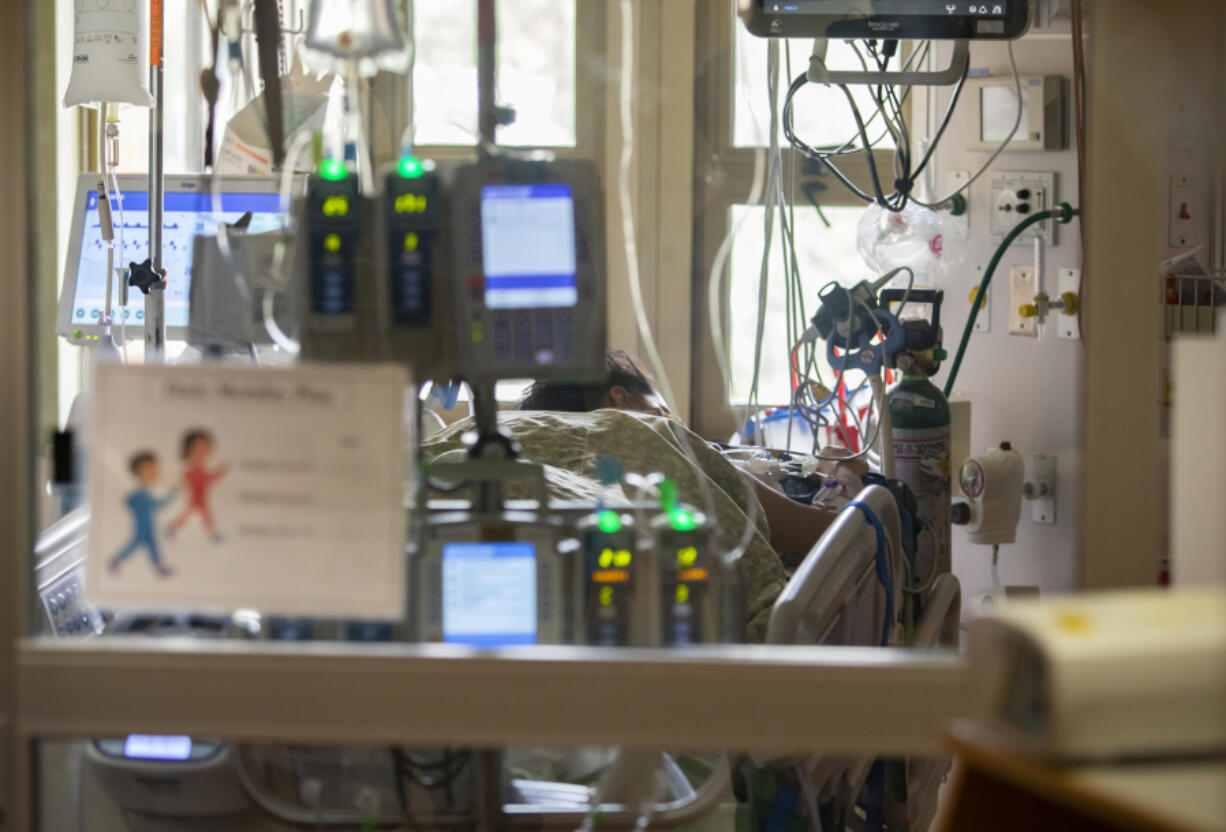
[837, 598]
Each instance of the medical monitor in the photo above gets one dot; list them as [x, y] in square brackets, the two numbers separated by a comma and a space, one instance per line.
[528, 246]
[188, 211]
[892, 19]
[489, 593]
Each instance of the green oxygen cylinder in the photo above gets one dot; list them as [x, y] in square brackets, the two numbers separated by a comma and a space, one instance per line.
[920, 418]
[919, 415]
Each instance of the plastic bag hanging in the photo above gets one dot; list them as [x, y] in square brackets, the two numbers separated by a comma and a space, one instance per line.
[110, 56]
[366, 33]
[931, 243]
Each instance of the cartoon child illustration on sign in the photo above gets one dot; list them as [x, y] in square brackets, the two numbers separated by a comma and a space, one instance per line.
[198, 446]
[144, 506]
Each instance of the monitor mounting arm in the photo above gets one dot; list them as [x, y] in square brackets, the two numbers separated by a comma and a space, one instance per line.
[820, 74]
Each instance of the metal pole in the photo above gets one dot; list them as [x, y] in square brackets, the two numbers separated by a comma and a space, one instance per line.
[155, 301]
[487, 106]
[488, 497]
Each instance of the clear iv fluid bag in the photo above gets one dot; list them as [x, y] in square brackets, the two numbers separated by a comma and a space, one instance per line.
[366, 33]
[110, 54]
[932, 243]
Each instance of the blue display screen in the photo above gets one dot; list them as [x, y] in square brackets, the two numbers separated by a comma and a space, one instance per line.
[157, 747]
[489, 593]
[528, 246]
[187, 214]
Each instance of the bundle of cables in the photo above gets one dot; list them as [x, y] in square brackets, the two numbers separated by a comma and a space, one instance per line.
[889, 101]
[844, 313]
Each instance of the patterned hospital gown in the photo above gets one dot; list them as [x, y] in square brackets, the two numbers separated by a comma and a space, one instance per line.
[569, 445]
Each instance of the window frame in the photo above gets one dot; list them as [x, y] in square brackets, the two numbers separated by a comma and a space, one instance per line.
[590, 20]
[723, 177]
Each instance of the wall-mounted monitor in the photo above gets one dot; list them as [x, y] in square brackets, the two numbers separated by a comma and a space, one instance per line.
[888, 19]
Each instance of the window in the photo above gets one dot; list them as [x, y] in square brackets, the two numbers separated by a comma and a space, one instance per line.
[183, 125]
[732, 124]
[822, 117]
[824, 254]
[536, 71]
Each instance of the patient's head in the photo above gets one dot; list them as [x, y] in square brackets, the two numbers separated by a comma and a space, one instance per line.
[627, 386]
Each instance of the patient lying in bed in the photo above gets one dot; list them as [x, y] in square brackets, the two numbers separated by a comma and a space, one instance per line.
[569, 428]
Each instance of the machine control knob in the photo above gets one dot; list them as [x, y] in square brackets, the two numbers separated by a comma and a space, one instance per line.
[143, 276]
[960, 514]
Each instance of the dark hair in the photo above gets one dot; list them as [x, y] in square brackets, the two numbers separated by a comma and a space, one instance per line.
[192, 437]
[141, 458]
[622, 370]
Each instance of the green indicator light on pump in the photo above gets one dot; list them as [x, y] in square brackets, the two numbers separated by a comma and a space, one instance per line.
[333, 170]
[682, 520]
[609, 522]
[410, 167]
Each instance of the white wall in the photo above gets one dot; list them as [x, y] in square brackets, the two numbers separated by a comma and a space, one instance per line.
[1022, 390]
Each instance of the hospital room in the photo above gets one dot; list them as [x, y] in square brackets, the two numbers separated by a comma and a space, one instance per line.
[580, 415]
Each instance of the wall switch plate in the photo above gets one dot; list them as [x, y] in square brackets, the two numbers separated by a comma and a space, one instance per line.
[1023, 286]
[1186, 206]
[1016, 196]
[983, 322]
[1043, 509]
[1066, 325]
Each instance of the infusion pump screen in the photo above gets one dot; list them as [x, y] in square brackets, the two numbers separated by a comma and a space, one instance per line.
[185, 216]
[528, 246]
[489, 593]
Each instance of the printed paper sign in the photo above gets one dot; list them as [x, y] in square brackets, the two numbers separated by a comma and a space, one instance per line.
[219, 488]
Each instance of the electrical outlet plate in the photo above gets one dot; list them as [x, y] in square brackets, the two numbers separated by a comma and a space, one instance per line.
[1007, 199]
[1023, 286]
[983, 322]
[1043, 509]
[1066, 325]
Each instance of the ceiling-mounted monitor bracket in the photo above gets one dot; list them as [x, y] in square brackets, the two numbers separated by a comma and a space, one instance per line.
[820, 74]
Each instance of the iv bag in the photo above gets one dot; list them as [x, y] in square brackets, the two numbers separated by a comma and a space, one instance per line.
[367, 34]
[110, 55]
[932, 243]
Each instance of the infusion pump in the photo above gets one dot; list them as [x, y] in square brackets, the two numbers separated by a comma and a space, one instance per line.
[478, 271]
[639, 577]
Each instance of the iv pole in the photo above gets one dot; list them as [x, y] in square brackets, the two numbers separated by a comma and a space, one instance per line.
[155, 300]
[485, 403]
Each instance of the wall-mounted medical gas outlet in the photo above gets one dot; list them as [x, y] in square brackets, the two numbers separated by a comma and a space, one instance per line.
[1040, 489]
[1066, 325]
[953, 180]
[1016, 196]
[1023, 286]
[983, 321]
